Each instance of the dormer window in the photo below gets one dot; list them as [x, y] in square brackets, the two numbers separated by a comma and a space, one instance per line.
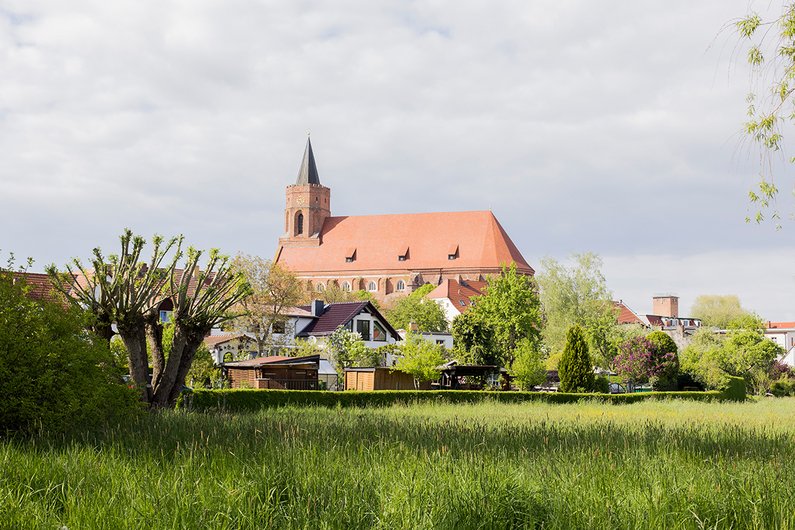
[350, 255]
[452, 252]
[403, 253]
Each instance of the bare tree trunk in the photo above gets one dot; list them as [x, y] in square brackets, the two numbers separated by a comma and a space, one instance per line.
[154, 335]
[188, 354]
[134, 338]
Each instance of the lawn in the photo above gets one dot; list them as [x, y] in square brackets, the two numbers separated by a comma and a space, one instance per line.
[662, 464]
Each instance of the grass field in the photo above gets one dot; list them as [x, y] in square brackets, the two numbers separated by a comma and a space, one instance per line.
[586, 465]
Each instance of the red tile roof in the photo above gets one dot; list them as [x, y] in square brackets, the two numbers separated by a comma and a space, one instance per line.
[38, 285]
[626, 315]
[272, 359]
[379, 239]
[781, 325]
[215, 340]
[459, 293]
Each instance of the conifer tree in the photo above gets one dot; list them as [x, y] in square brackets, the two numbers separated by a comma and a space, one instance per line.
[576, 368]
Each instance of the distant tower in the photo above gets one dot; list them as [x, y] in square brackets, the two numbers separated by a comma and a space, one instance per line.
[666, 306]
[308, 205]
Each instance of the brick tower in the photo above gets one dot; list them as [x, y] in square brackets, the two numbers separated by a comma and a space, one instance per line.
[308, 205]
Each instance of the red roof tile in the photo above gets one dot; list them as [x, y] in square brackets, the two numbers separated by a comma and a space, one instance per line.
[780, 325]
[38, 285]
[459, 293]
[626, 315]
[429, 238]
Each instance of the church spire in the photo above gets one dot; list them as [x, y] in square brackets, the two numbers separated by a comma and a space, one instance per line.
[308, 172]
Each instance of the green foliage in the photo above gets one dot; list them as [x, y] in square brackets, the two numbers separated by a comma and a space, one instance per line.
[734, 389]
[576, 368]
[578, 296]
[601, 385]
[718, 311]
[304, 348]
[420, 359]
[702, 358]
[528, 368]
[417, 309]
[665, 358]
[346, 349]
[54, 375]
[473, 339]
[203, 371]
[749, 322]
[783, 387]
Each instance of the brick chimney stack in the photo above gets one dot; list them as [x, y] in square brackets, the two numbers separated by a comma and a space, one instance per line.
[665, 306]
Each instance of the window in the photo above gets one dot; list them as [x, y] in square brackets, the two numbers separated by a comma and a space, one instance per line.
[401, 285]
[299, 224]
[372, 286]
[363, 327]
[440, 341]
[451, 256]
[349, 259]
[165, 316]
[401, 258]
[379, 333]
[346, 287]
[321, 287]
[462, 302]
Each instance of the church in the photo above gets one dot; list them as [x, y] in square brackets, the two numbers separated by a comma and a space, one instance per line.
[388, 255]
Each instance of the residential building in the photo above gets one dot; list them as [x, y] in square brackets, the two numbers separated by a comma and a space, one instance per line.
[456, 296]
[665, 317]
[783, 334]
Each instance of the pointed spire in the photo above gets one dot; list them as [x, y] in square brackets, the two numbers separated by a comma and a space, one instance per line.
[308, 172]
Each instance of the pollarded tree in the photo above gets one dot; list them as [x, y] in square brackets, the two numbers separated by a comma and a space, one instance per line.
[576, 368]
[126, 291]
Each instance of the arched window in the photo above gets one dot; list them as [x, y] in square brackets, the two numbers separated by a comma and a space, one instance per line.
[346, 287]
[401, 285]
[321, 287]
[371, 286]
[299, 224]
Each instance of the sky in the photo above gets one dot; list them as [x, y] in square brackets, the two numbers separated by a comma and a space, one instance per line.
[609, 127]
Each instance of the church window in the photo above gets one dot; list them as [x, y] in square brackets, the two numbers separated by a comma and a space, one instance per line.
[299, 224]
[401, 285]
[371, 286]
[346, 287]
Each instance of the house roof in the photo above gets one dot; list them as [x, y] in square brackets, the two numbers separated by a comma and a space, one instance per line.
[272, 360]
[459, 293]
[38, 285]
[215, 340]
[307, 174]
[780, 325]
[477, 239]
[626, 315]
[339, 314]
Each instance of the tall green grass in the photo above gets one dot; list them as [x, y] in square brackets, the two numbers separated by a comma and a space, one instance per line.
[534, 465]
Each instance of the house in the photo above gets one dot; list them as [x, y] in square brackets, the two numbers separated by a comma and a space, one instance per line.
[442, 338]
[361, 317]
[387, 255]
[226, 347]
[274, 372]
[783, 334]
[37, 285]
[664, 317]
[456, 296]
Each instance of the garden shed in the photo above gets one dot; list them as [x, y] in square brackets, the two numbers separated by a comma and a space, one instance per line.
[275, 372]
[379, 378]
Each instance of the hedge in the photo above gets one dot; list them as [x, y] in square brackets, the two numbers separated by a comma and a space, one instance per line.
[246, 400]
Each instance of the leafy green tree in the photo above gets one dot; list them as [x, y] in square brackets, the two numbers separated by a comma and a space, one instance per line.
[421, 359]
[126, 290]
[203, 371]
[718, 311]
[528, 367]
[576, 368]
[578, 295]
[665, 361]
[304, 348]
[749, 322]
[473, 339]
[702, 358]
[417, 309]
[346, 349]
[54, 374]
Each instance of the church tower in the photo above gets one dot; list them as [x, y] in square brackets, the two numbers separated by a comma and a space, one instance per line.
[308, 205]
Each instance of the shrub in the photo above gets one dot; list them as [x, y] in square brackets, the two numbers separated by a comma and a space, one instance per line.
[601, 384]
[783, 388]
[575, 368]
[54, 375]
[734, 389]
[665, 361]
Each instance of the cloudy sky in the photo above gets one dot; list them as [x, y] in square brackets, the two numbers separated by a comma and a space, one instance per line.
[611, 127]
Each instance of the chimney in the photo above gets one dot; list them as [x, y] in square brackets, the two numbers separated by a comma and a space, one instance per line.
[666, 306]
[316, 307]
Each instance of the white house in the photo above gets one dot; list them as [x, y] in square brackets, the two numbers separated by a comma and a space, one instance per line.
[783, 334]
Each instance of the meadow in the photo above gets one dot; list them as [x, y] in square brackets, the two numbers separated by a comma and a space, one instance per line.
[656, 464]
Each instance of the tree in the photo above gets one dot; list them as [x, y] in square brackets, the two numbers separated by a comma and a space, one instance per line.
[127, 291]
[578, 295]
[528, 368]
[576, 368]
[421, 359]
[665, 361]
[203, 371]
[635, 361]
[273, 291]
[718, 311]
[771, 54]
[55, 375]
[417, 309]
[473, 339]
[346, 349]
